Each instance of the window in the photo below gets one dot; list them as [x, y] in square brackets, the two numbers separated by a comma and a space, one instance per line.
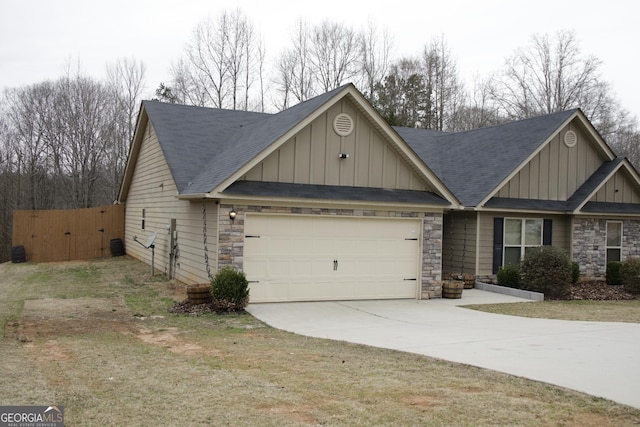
[614, 241]
[519, 236]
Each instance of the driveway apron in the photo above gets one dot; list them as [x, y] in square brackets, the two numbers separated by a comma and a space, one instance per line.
[598, 358]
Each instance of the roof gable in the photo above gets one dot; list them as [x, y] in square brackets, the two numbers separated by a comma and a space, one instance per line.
[474, 163]
[209, 149]
[250, 142]
[305, 113]
[311, 156]
[559, 167]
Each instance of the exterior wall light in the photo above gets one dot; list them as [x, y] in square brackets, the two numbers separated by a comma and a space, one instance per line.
[232, 214]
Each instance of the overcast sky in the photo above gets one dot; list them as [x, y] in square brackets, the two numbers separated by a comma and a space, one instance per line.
[38, 37]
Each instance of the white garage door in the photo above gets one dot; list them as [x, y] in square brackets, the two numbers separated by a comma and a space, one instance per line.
[310, 258]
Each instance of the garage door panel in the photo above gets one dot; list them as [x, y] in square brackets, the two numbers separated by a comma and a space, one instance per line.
[294, 259]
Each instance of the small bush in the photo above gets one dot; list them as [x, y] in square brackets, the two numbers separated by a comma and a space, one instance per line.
[509, 276]
[546, 269]
[229, 290]
[575, 272]
[630, 275]
[613, 273]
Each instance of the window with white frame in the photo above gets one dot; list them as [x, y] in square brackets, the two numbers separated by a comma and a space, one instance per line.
[520, 235]
[614, 241]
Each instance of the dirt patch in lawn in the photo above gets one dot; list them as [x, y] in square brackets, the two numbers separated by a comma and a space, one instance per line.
[50, 317]
[168, 339]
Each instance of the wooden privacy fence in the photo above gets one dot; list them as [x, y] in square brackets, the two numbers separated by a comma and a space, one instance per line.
[64, 235]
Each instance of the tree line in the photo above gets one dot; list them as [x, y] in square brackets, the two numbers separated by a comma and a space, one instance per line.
[64, 143]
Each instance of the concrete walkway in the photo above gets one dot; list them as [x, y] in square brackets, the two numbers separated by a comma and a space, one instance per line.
[598, 358]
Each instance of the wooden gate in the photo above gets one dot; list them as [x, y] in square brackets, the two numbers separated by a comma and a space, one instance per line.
[64, 235]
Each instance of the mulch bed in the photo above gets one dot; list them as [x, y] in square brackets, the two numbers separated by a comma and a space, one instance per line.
[186, 307]
[599, 291]
[595, 291]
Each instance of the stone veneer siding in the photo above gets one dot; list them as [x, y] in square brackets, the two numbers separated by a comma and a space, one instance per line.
[589, 247]
[231, 237]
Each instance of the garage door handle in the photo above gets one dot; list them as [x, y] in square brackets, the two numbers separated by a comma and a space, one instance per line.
[411, 279]
[253, 281]
[412, 238]
[335, 265]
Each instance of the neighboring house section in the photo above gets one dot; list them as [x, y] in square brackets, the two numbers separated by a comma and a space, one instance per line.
[549, 180]
[321, 201]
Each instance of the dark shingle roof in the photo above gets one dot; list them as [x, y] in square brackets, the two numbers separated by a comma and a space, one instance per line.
[471, 164]
[332, 192]
[204, 146]
[593, 182]
[612, 208]
[528, 204]
[190, 136]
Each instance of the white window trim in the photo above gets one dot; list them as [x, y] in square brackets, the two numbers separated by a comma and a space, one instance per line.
[606, 240]
[523, 246]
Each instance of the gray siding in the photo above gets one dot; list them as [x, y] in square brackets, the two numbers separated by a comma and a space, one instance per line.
[557, 171]
[620, 188]
[153, 189]
[311, 157]
[459, 243]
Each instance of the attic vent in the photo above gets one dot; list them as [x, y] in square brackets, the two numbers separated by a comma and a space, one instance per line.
[343, 124]
[570, 139]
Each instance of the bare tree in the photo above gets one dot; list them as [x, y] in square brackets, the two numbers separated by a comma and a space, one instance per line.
[476, 110]
[443, 90]
[334, 54]
[29, 133]
[552, 74]
[84, 126]
[259, 66]
[125, 83]
[295, 76]
[549, 75]
[219, 66]
[375, 58]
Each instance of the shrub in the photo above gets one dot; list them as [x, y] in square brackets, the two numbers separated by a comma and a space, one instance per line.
[229, 290]
[613, 273]
[509, 276]
[546, 269]
[630, 275]
[575, 272]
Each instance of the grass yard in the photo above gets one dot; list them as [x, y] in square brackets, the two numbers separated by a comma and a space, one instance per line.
[97, 338]
[598, 311]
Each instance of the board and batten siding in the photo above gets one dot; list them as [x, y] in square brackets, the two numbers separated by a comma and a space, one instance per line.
[459, 237]
[311, 157]
[620, 188]
[153, 189]
[561, 235]
[557, 171]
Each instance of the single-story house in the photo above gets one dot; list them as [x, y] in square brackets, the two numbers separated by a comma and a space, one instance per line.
[326, 201]
[322, 201]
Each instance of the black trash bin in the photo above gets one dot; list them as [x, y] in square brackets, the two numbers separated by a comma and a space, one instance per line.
[18, 254]
[117, 247]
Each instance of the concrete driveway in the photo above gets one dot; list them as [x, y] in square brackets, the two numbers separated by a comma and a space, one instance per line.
[598, 358]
